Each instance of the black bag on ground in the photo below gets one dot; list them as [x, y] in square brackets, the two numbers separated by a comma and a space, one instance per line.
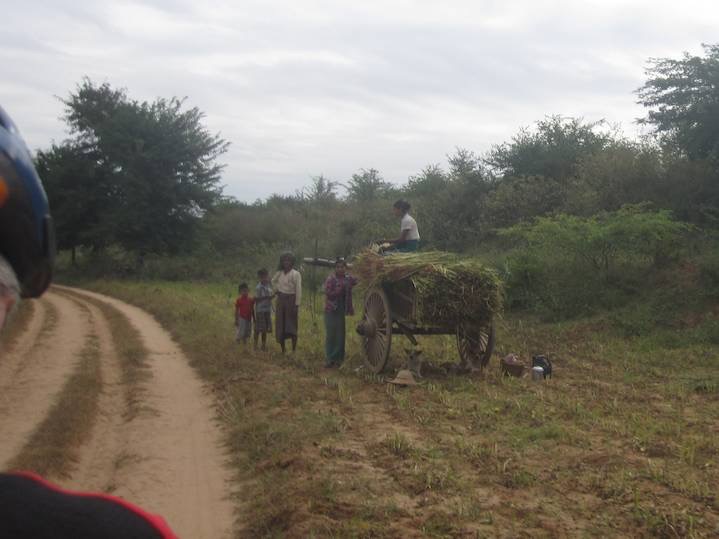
[543, 361]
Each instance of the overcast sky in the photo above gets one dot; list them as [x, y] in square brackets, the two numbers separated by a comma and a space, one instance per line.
[302, 88]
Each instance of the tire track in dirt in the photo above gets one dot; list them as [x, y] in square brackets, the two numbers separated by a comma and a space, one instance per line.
[36, 371]
[169, 461]
[98, 457]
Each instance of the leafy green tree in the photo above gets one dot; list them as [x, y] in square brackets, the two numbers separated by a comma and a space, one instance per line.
[624, 172]
[536, 173]
[294, 202]
[691, 188]
[521, 198]
[465, 208]
[367, 186]
[76, 185]
[683, 98]
[161, 161]
[430, 181]
[428, 193]
[450, 206]
[322, 192]
[366, 212]
[466, 166]
[552, 150]
[233, 227]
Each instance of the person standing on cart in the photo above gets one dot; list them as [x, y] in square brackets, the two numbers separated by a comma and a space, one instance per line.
[408, 240]
[338, 304]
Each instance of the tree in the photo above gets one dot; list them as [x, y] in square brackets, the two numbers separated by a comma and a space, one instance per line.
[260, 225]
[623, 173]
[367, 186]
[430, 181]
[552, 150]
[161, 163]
[450, 205]
[321, 193]
[683, 98]
[520, 198]
[76, 186]
[366, 214]
[465, 165]
[465, 201]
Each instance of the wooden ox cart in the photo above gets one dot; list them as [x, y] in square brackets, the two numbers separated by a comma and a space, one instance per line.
[392, 309]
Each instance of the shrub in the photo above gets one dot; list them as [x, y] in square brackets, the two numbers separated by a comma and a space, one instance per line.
[566, 265]
[709, 273]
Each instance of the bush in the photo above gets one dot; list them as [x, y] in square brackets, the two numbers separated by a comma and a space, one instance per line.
[566, 265]
[709, 273]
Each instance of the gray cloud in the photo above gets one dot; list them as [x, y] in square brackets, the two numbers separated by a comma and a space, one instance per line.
[308, 87]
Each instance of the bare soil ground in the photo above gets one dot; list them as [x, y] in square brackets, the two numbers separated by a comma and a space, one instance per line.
[167, 458]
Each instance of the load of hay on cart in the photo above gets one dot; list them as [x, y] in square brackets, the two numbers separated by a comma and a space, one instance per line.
[427, 293]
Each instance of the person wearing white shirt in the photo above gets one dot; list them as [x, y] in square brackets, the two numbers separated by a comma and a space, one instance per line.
[408, 240]
[287, 282]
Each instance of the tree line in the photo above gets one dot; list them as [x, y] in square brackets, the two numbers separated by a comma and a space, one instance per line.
[145, 177]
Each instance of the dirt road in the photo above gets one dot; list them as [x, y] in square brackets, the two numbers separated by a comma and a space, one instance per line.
[167, 459]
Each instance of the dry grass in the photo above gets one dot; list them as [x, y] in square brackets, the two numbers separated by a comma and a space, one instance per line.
[623, 441]
[131, 353]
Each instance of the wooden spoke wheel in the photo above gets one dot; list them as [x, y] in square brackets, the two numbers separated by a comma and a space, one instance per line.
[376, 330]
[475, 345]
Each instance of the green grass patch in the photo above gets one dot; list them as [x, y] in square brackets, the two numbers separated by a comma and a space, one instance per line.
[398, 445]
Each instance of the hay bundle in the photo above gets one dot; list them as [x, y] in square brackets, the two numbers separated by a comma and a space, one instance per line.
[450, 291]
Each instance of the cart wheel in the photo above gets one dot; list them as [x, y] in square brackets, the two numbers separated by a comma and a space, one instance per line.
[475, 345]
[376, 330]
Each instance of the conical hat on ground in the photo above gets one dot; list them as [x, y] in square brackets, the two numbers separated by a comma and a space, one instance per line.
[404, 378]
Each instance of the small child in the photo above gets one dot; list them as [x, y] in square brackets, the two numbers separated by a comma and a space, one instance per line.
[244, 313]
[263, 307]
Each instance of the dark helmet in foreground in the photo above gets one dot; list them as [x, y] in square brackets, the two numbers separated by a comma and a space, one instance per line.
[26, 233]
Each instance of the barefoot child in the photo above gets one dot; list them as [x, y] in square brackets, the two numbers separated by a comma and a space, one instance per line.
[244, 313]
[263, 308]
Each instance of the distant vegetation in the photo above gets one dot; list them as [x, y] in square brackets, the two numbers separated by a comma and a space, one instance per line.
[575, 214]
